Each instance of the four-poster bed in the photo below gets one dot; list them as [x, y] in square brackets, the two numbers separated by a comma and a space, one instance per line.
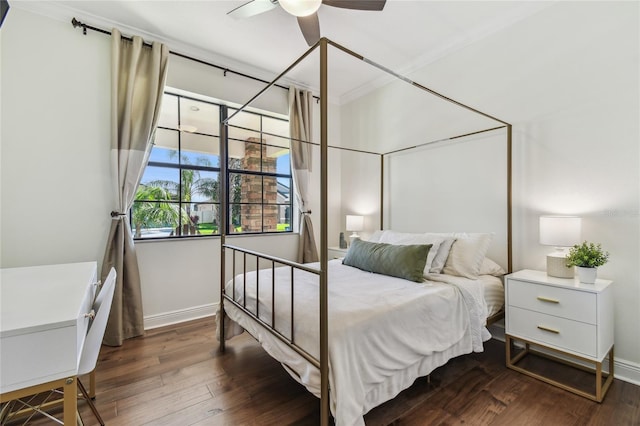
[285, 305]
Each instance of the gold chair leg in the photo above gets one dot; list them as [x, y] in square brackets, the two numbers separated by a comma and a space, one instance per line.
[92, 384]
[90, 402]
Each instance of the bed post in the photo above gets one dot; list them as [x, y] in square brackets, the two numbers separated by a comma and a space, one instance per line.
[509, 201]
[324, 319]
[381, 192]
[222, 213]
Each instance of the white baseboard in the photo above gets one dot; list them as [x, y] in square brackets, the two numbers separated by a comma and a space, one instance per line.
[182, 315]
[626, 371]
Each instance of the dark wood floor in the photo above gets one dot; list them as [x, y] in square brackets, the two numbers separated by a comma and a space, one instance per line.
[176, 376]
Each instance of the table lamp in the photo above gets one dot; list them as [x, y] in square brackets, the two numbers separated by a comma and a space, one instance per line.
[560, 232]
[354, 224]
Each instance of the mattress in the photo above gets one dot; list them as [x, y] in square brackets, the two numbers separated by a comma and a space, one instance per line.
[384, 332]
[493, 291]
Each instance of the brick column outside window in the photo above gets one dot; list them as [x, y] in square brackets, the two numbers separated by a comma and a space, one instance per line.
[254, 216]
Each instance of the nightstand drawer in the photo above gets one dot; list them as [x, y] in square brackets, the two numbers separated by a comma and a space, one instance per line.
[553, 331]
[561, 302]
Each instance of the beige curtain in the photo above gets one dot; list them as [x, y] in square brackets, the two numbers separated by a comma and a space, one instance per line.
[138, 74]
[300, 129]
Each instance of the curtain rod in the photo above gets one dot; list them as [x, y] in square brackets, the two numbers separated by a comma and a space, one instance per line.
[225, 70]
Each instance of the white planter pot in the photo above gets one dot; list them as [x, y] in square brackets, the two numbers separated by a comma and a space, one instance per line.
[587, 275]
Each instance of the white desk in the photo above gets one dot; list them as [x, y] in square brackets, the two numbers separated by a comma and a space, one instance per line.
[42, 329]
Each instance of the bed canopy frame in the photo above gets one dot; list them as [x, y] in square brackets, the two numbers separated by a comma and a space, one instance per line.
[322, 363]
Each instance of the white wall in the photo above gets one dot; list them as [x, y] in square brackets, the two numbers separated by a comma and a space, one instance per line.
[360, 190]
[466, 178]
[55, 142]
[334, 194]
[567, 79]
[453, 176]
[181, 279]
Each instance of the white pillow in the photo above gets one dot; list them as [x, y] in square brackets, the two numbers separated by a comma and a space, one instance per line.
[467, 254]
[441, 256]
[375, 237]
[405, 238]
[489, 267]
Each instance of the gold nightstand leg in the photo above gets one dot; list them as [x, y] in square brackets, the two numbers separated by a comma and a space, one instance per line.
[511, 361]
[609, 380]
[601, 388]
[598, 381]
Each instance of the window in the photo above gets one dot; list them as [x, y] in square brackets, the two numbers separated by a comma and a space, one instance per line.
[259, 173]
[179, 193]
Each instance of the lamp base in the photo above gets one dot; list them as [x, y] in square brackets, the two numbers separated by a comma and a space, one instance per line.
[557, 266]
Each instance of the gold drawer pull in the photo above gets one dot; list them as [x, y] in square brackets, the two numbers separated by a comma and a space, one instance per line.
[546, 299]
[550, 330]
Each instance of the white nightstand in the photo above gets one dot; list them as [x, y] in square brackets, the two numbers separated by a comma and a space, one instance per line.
[563, 315]
[336, 252]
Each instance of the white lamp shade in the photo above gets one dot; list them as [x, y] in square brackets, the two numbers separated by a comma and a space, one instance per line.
[300, 7]
[355, 223]
[560, 231]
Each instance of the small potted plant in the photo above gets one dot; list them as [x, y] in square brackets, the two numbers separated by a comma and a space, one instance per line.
[586, 257]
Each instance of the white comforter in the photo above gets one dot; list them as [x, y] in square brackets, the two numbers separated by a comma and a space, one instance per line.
[384, 332]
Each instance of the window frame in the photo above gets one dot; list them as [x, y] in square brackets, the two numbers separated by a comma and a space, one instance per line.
[264, 174]
[223, 138]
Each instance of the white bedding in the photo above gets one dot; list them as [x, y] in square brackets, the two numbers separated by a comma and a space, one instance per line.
[384, 332]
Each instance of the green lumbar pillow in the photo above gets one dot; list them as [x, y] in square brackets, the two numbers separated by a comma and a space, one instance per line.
[395, 260]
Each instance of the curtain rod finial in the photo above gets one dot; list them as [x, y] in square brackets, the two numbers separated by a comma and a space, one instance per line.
[77, 24]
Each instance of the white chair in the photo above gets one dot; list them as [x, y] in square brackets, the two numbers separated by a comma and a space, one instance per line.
[93, 341]
[88, 357]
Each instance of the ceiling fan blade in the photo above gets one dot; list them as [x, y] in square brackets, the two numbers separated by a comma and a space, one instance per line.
[375, 5]
[310, 27]
[252, 8]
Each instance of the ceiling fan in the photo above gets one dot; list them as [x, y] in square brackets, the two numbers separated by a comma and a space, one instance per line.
[304, 10]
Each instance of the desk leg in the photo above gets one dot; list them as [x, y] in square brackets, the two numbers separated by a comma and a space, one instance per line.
[70, 401]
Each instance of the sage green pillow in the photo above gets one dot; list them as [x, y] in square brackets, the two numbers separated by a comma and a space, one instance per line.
[397, 261]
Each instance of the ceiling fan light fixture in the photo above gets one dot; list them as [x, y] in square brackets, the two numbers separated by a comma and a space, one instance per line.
[300, 7]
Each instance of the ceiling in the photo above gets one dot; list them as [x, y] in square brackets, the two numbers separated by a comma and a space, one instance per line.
[404, 36]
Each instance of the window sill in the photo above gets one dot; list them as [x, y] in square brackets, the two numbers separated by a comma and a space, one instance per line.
[210, 237]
